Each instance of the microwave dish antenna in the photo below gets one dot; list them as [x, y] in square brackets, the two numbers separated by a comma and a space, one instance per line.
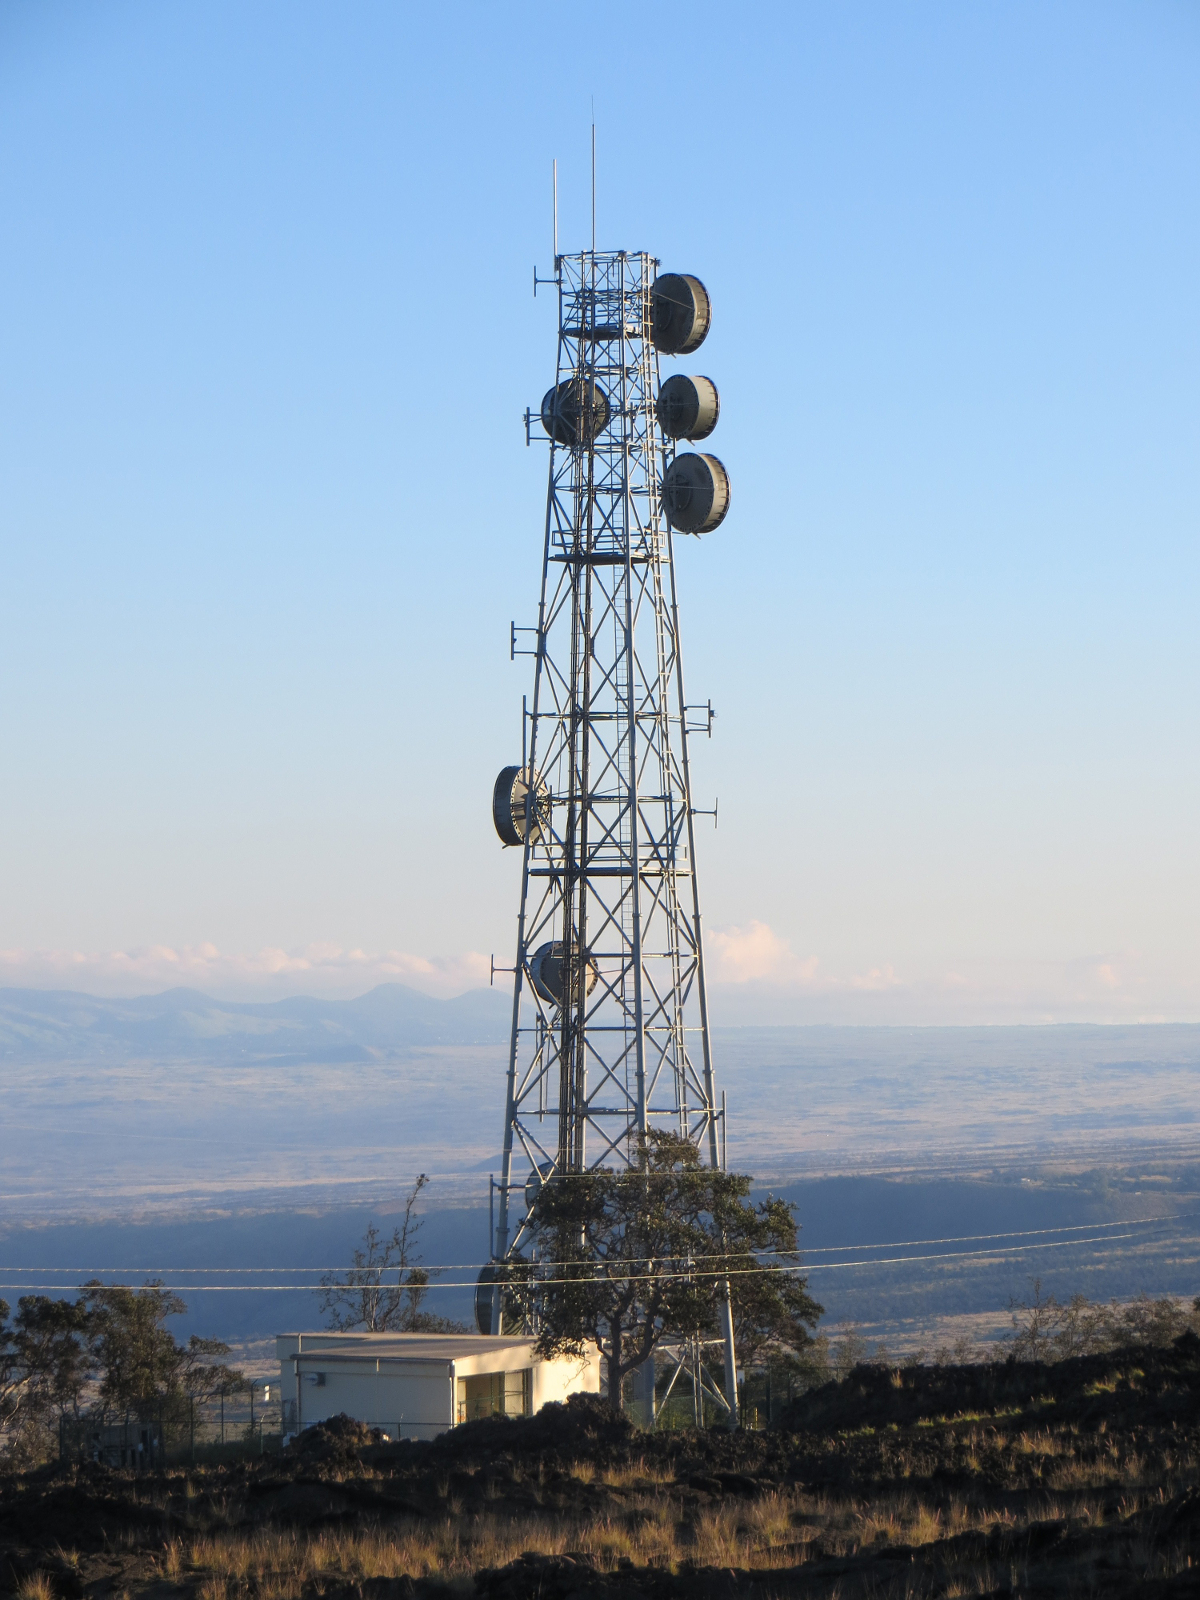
[687, 408]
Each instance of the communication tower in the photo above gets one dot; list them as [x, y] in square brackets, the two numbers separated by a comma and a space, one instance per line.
[610, 1032]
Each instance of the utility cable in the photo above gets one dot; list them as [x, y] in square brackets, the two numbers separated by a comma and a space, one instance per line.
[517, 1282]
[829, 1249]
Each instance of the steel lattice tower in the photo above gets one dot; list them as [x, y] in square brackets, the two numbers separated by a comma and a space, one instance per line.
[610, 1033]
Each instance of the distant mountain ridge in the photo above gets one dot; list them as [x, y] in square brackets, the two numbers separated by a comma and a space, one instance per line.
[184, 1024]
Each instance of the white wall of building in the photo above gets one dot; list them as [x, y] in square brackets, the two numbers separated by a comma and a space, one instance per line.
[409, 1385]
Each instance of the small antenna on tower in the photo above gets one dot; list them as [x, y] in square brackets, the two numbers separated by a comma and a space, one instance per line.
[593, 178]
[554, 169]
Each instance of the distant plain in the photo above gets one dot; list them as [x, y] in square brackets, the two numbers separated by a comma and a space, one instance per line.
[210, 1135]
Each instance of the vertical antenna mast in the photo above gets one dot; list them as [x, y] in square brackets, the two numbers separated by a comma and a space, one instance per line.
[593, 188]
[610, 1036]
[554, 171]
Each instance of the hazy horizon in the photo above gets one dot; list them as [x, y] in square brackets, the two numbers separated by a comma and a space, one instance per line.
[747, 1005]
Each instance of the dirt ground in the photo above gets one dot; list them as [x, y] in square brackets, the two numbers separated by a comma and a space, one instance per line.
[1079, 1478]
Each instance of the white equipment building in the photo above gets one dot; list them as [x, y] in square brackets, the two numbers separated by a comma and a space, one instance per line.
[417, 1385]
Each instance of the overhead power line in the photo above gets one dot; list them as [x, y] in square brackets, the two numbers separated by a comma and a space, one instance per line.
[698, 1272]
[830, 1249]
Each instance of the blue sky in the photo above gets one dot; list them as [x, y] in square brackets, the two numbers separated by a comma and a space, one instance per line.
[266, 510]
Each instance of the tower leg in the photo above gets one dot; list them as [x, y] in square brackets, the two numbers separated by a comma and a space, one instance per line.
[646, 1386]
[731, 1389]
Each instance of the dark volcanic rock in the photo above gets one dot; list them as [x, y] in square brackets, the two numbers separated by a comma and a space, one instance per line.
[339, 1437]
[537, 1577]
[303, 1505]
[1137, 1384]
[584, 1428]
[389, 1589]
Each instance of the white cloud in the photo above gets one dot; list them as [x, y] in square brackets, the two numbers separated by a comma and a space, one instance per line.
[321, 969]
[756, 977]
[756, 954]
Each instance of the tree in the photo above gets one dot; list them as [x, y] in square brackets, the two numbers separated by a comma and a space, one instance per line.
[52, 1338]
[200, 1376]
[138, 1359]
[628, 1257]
[1047, 1329]
[773, 1312]
[13, 1387]
[45, 1366]
[53, 1351]
[383, 1290]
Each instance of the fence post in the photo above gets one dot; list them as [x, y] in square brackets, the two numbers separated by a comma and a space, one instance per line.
[192, 1424]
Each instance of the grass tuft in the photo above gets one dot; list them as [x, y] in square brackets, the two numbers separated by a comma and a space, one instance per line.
[36, 1586]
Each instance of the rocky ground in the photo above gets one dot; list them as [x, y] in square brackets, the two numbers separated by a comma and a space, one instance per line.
[1079, 1478]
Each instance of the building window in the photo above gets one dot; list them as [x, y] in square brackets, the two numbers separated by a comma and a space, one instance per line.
[495, 1394]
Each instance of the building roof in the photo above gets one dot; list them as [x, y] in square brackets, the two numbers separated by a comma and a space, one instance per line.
[403, 1346]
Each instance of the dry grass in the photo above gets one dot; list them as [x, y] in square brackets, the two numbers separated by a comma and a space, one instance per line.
[36, 1587]
[647, 1531]
[635, 1474]
[782, 1528]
